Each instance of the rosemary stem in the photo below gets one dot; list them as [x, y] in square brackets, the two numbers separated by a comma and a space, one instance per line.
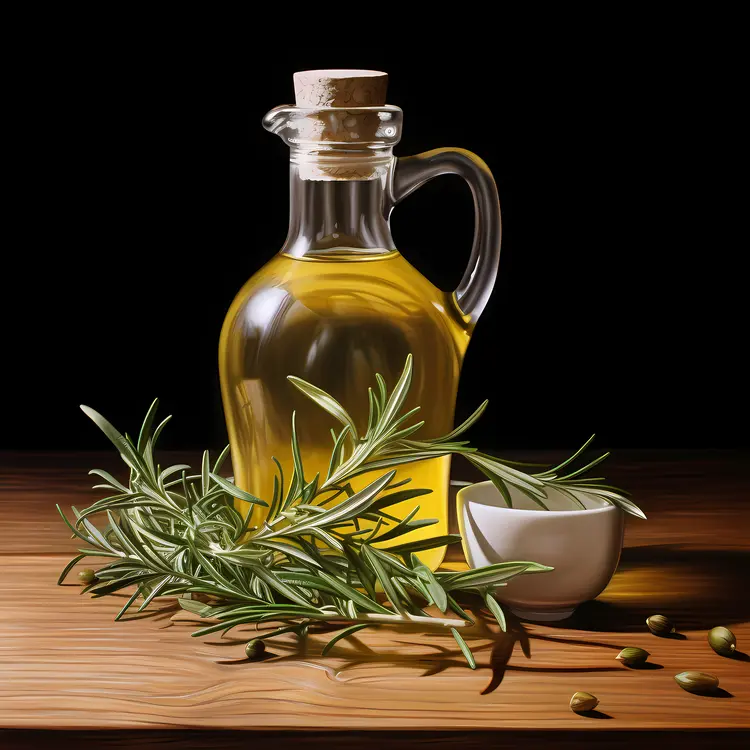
[446, 622]
[376, 618]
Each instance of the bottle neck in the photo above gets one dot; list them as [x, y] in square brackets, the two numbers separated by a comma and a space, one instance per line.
[332, 215]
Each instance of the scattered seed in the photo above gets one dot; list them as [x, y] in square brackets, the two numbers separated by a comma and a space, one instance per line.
[632, 656]
[255, 648]
[697, 682]
[86, 575]
[581, 702]
[722, 641]
[660, 625]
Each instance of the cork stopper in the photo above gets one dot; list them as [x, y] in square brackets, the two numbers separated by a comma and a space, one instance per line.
[341, 128]
[340, 88]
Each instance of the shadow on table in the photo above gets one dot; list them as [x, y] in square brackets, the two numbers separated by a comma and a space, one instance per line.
[420, 651]
[696, 589]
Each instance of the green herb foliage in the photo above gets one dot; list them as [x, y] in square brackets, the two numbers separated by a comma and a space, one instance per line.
[169, 532]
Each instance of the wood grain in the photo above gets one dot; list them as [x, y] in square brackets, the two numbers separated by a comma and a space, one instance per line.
[64, 664]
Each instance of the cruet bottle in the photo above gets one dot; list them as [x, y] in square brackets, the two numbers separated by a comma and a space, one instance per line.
[339, 303]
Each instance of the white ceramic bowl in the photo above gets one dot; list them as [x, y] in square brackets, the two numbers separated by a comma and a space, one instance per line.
[583, 546]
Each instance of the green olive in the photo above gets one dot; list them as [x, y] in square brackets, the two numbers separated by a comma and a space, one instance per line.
[660, 625]
[722, 640]
[255, 648]
[697, 682]
[86, 575]
[582, 702]
[633, 657]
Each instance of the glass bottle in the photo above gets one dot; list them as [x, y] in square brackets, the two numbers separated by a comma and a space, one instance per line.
[338, 303]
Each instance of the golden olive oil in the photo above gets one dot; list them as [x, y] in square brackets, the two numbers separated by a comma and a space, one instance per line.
[335, 320]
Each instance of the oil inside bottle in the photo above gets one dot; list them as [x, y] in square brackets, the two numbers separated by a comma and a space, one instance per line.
[335, 320]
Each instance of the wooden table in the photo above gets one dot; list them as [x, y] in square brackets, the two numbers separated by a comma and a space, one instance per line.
[71, 677]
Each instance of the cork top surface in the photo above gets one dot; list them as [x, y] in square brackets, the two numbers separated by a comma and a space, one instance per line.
[340, 88]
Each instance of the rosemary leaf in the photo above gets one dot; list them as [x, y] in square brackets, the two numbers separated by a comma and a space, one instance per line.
[343, 634]
[464, 648]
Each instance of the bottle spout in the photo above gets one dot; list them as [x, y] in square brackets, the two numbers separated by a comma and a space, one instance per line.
[277, 119]
[332, 128]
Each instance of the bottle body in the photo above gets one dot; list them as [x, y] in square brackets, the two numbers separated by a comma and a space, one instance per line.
[339, 304]
[335, 319]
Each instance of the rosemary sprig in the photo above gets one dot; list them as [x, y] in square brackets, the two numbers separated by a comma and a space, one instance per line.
[172, 533]
[388, 442]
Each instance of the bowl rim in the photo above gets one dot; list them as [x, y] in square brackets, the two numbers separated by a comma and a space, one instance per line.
[608, 508]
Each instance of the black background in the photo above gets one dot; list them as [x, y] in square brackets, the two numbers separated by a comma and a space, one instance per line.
[146, 192]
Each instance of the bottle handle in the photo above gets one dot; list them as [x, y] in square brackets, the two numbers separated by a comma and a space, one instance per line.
[412, 172]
